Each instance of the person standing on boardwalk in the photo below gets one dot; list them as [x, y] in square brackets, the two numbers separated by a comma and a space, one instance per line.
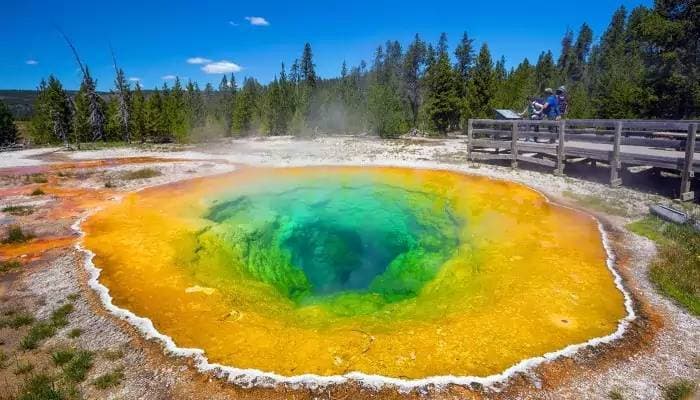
[551, 105]
[563, 99]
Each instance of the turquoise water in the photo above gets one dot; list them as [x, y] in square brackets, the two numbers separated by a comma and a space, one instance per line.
[320, 241]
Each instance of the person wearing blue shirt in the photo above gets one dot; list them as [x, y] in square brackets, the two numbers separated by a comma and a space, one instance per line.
[551, 106]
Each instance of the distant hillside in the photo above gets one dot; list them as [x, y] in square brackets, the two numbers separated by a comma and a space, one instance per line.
[21, 102]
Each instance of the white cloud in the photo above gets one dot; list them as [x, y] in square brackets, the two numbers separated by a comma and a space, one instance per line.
[168, 77]
[31, 62]
[198, 60]
[257, 21]
[232, 23]
[221, 67]
[135, 79]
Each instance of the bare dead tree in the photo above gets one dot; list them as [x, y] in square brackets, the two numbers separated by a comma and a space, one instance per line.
[97, 118]
[123, 92]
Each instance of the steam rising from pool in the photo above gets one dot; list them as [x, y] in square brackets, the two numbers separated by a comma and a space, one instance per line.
[400, 273]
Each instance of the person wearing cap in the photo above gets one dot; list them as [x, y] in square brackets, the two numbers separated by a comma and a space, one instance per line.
[551, 105]
[563, 99]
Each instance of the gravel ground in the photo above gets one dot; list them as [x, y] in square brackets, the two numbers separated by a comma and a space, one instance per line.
[670, 353]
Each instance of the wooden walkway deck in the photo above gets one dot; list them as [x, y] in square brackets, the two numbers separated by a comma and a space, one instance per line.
[668, 145]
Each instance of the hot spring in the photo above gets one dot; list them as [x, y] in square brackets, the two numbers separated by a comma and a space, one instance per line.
[385, 271]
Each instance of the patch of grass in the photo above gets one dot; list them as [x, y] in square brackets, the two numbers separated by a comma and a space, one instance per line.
[77, 368]
[59, 318]
[109, 380]
[9, 265]
[61, 357]
[75, 333]
[676, 270]
[608, 206]
[41, 387]
[16, 320]
[39, 332]
[23, 368]
[615, 395]
[37, 178]
[110, 185]
[45, 329]
[679, 390]
[3, 359]
[15, 234]
[113, 355]
[37, 192]
[73, 297]
[143, 173]
[18, 211]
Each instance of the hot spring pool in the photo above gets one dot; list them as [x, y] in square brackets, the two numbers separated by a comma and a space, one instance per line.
[384, 271]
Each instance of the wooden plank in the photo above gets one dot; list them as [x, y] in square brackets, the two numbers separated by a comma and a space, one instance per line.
[542, 148]
[539, 161]
[687, 172]
[615, 159]
[490, 132]
[561, 150]
[496, 144]
[490, 156]
[470, 136]
[514, 145]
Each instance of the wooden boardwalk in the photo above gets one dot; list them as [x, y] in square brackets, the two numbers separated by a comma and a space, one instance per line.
[668, 145]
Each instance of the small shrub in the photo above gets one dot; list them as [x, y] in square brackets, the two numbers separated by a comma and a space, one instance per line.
[109, 380]
[37, 192]
[59, 318]
[17, 320]
[9, 265]
[77, 368]
[615, 395]
[23, 368]
[16, 235]
[679, 390]
[3, 359]
[39, 332]
[110, 185]
[75, 333]
[73, 297]
[18, 211]
[40, 387]
[61, 357]
[38, 178]
[143, 173]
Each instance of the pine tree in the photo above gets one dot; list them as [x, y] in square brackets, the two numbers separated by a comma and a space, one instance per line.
[138, 115]
[670, 36]
[482, 90]
[156, 124]
[95, 104]
[51, 122]
[123, 92]
[385, 111]
[307, 67]
[545, 72]
[8, 129]
[414, 66]
[582, 50]
[245, 110]
[442, 97]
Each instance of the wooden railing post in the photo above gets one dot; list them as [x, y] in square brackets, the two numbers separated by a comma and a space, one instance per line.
[514, 145]
[615, 157]
[470, 136]
[688, 172]
[561, 149]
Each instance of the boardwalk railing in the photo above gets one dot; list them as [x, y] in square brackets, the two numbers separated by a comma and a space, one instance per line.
[668, 145]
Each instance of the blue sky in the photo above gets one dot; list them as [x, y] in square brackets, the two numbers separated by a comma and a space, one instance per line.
[153, 39]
